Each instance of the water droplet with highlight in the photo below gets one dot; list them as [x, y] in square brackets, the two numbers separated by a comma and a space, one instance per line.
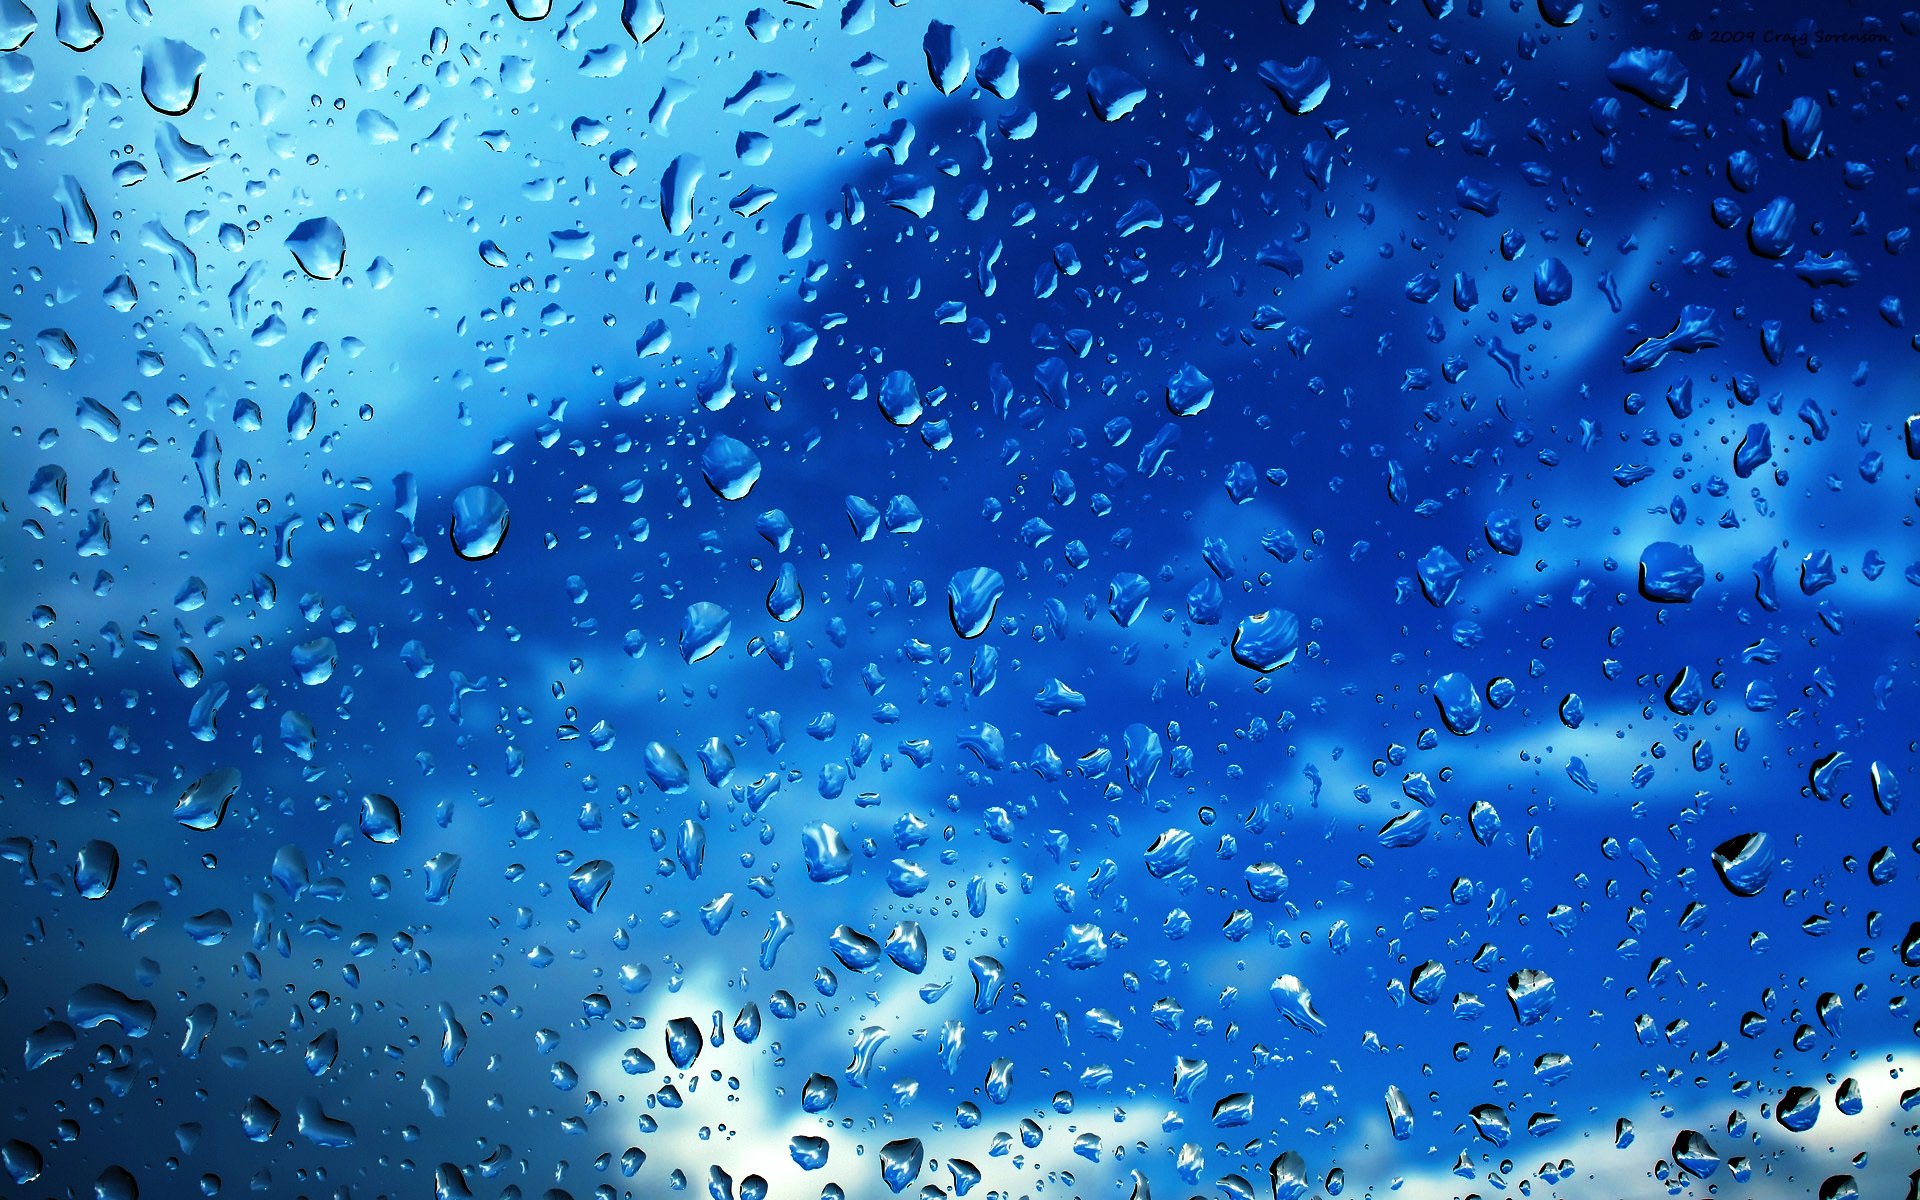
[479, 523]
[319, 247]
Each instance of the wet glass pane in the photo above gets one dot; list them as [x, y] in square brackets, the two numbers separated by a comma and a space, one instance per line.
[1249, 599]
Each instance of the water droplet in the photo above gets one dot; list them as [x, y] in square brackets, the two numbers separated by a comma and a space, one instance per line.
[901, 1161]
[1670, 573]
[1459, 702]
[818, 1093]
[590, 882]
[947, 61]
[96, 869]
[319, 247]
[1113, 92]
[703, 631]
[1744, 863]
[442, 869]
[379, 819]
[259, 1119]
[1692, 1151]
[828, 857]
[677, 186]
[314, 662]
[204, 803]
[1189, 392]
[1288, 1175]
[1267, 641]
[1799, 1109]
[170, 83]
[1655, 76]
[17, 26]
[899, 399]
[1532, 995]
[1300, 87]
[731, 467]
[683, 1042]
[1293, 1001]
[479, 523]
[809, 1151]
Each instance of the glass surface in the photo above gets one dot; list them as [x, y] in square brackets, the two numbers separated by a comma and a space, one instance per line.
[1256, 599]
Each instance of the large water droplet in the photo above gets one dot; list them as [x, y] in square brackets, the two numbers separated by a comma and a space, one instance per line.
[809, 1151]
[704, 630]
[1267, 641]
[1693, 1152]
[899, 399]
[1799, 1108]
[379, 819]
[170, 79]
[17, 25]
[818, 1093]
[1656, 76]
[947, 58]
[479, 523]
[1113, 92]
[1189, 392]
[1293, 1001]
[643, 18]
[442, 869]
[76, 25]
[828, 857]
[900, 1163]
[1531, 993]
[855, 950]
[95, 869]
[590, 882]
[320, 247]
[1300, 87]
[677, 184]
[204, 804]
[259, 1119]
[1744, 863]
[315, 661]
[683, 1041]
[1288, 1175]
[731, 467]
[1669, 573]
[1459, 702]
[972, 597]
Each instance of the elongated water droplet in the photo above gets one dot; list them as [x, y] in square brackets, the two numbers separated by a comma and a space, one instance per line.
[96, 869]
[677, 185]
[683, 1041]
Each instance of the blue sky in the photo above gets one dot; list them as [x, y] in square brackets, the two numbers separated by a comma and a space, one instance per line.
[521, 309]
